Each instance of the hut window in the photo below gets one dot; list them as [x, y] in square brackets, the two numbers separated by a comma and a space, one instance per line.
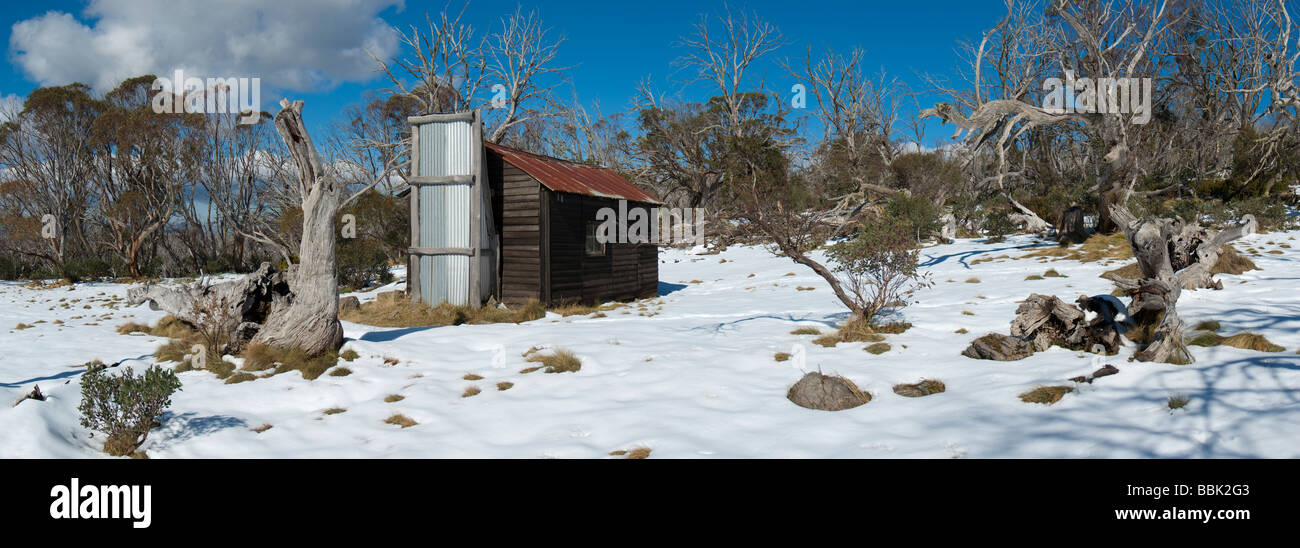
[595, 248]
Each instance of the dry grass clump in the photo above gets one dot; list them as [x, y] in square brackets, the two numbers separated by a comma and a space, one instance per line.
[391, 398]
[635, 453]
[261, 428]
[1052, 273]
[961, 331]
[504, 385]
[396, 312]
[349, 355]
[806, 331]
[470, 391]
[559, 360]
[401, 420]
[340, 372]
[1178, 401]
[1244, 341]
[1232, 262]
[781, 356]
[334, 411]
[260, 357]
[132, 327]
[972, 280]
[1047, 395]
[21, 326]
[923, 388]
[239, 377]
[857, 330]
[472, 377]
[173, 328]
[1032, 277]
[1098, 247]
[1208, 325]
[878, 348]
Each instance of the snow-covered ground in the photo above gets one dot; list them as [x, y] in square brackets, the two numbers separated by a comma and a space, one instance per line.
[692, 374]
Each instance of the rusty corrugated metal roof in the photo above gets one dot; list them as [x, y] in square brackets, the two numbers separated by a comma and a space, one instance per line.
[564, 176]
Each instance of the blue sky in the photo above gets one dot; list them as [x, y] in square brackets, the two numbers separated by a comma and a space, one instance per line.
[611, 45]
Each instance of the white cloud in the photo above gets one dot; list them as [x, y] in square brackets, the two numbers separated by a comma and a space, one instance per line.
[300, 45]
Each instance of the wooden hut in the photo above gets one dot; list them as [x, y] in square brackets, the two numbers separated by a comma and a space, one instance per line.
[548, 219]
[492, 221]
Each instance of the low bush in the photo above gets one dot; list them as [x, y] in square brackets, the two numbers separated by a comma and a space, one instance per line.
[125, 406]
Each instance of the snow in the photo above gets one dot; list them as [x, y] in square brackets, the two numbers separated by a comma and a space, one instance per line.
[693, 374]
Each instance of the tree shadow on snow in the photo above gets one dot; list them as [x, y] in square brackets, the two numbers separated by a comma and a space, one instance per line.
[187, 426]
[73, 371]
[931, 260]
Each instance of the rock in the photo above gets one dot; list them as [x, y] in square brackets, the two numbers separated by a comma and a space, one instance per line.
[827, 393]
[1105, 371]
[349, 303]
[923, 388]
[998, 347]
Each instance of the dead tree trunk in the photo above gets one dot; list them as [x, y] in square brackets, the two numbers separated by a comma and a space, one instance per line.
[293, 309]
[308, 317]
[1172, 256]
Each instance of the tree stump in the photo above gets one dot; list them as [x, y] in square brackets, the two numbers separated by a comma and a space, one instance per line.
[1071, 229]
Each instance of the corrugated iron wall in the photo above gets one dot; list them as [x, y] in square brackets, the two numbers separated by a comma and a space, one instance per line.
[446, 148]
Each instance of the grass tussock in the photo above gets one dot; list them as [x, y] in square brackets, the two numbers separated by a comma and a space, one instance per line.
[239, 377]
[260, 357]
[972, 280]
[806, 331]
[559, 360]
[781, 356]
[859, 330]
[404, 313]
[1046, 395]
[1098, 247]
[401, 420]
[470, 391]
[340, 372]
[334, 411]
[261, 428]
[172, 327]
[1033, 277]
[961, 331]
[1244, 341]
[393, 398]
[21, 326]
[1052, 273]
[472, 377]
[349, 355]
[132, 327]
[1232, 262]
[1177, 401]
[878, 348]
[504, 385]
[1208, 325]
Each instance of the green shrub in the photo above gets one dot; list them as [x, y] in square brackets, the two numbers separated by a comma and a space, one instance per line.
[124, 406]
[997, 225]
[879, 268]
